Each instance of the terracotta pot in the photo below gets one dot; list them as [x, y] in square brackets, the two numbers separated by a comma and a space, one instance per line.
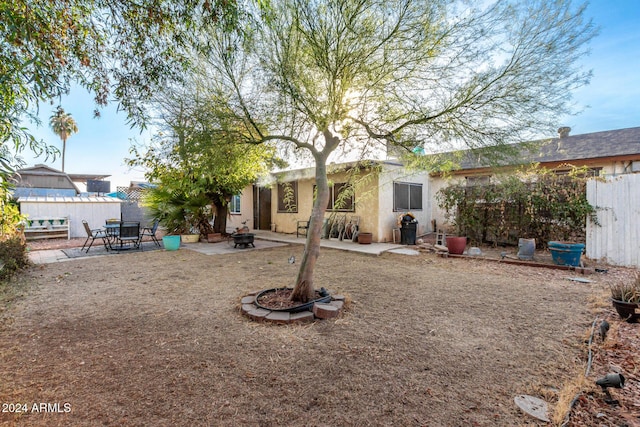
[456, 245]
[365, 238]
[214, 237]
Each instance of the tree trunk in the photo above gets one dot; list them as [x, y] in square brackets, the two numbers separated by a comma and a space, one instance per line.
[64, 149]
[220, 221]
[304, 291]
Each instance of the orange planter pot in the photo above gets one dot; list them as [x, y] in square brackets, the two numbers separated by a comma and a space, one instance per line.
[365, 238]
[456, 245]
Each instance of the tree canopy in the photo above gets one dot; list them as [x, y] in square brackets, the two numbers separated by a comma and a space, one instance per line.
[191, 159]
[117, 49]
[64, 126]
[329, 77]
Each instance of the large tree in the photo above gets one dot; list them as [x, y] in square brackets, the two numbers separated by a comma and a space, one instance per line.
[190, 157]
[332, 75]
[64, 126]
[118, 49]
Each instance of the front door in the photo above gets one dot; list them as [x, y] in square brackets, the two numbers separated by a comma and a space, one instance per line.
[262, 208]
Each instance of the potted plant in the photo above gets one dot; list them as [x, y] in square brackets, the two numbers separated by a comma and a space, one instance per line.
[625, 297]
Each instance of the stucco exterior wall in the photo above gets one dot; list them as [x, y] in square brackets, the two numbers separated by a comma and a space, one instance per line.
[365, 199]
[373, 201]
[246, 212]
[388, 216]
[437, 213]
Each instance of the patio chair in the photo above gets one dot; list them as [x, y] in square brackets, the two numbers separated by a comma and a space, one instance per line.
[128, 234]
[93, 234]
[151, 232]
[302, 227]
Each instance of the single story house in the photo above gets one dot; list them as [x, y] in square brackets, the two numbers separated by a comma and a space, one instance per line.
[384, 190]
[41, 180]
[375, 193]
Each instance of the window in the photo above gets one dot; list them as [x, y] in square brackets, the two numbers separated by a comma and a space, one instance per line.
[341, 197]
[288, 197]
[590, 172]
[407, 196]
[478, 180]
[234, 205]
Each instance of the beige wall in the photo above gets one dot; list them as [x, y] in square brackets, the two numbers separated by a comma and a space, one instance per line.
[286, 222]
[373, 201]
[366, 200]
[246, 211]
[436, 213]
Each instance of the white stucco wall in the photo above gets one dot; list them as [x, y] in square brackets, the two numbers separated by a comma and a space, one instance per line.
[387, 216]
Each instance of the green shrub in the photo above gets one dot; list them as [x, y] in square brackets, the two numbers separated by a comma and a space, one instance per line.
[531, 203]
[13, 256]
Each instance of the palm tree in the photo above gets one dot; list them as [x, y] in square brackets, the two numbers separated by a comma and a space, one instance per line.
[63, 125]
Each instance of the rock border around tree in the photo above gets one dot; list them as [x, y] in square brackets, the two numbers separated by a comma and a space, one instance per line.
[318, 311]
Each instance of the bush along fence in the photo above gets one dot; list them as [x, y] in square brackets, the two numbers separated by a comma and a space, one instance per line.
[529, 203]
[13, 250]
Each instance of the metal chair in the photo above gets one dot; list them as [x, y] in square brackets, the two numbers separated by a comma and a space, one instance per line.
[129, 233]
[151, 232]
[93, 234]
[302, 227]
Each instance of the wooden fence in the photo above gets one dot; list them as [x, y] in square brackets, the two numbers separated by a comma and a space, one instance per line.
[617, 239]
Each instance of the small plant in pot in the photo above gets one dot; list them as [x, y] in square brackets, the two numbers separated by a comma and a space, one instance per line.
[625, 297]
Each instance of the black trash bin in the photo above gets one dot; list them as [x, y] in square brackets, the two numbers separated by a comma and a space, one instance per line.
[408, 230]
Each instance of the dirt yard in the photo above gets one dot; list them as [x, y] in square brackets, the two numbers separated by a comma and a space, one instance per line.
[156, 339]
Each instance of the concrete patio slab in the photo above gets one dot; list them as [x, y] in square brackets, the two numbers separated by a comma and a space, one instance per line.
[263, 240]
[346, 245]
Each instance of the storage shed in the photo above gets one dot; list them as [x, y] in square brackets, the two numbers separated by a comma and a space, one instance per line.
[95, 210]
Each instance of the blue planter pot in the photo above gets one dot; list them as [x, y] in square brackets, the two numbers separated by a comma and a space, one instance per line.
[565, 253]
[171, 243]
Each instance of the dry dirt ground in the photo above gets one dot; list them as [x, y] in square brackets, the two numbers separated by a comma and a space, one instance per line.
[156, 339]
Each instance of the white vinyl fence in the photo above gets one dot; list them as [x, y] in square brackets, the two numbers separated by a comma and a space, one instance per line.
[617, 239]
[95, 210]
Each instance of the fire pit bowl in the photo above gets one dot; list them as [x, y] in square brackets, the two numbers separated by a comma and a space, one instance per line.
[243, 239]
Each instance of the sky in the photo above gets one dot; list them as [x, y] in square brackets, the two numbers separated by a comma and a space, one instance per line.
[611, 101]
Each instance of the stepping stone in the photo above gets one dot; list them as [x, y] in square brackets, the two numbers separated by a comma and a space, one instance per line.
[303, 316]
[258, 313]
[325, 311]
[249, 299]
[278, 317]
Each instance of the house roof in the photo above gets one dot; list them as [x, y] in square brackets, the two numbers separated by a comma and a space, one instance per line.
[41, 169]
[84, 177]
[68, 199]
[620, 143]
[289, 175]
[44, 172]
